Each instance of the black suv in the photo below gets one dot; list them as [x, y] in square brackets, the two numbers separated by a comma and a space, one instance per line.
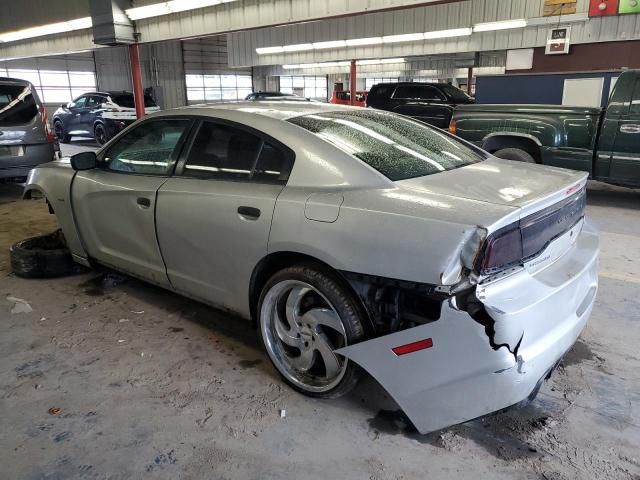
[98, 115]
[432, 103]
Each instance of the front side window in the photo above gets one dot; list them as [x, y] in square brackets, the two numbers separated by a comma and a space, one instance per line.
[396, 146]
[225, 152]
[149, 149]
[79, 102]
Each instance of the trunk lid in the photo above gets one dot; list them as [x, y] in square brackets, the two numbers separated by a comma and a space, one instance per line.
[503, 182]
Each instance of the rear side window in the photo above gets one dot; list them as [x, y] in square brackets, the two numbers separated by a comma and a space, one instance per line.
[224, 152]
[17, 105]
[396, 146]
[125, 100]
[379, 93]
[418, 92]
[148, 149]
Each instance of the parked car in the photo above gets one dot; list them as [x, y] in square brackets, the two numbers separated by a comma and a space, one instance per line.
[432, 103]
[98, 115]
[351, 236]
[26, 140]
[344, 98]
[604, 143]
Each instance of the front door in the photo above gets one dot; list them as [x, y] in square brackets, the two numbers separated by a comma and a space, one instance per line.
[74, 123]
[214, 216]
[625, 158]
[115, 204]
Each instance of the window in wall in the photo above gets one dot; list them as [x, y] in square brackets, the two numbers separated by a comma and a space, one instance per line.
[425, 79]
[215, 88]
[56, 86]
[305, 86]
[370, 82]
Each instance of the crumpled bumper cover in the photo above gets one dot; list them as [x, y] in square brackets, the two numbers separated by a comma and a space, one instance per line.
[462, 376]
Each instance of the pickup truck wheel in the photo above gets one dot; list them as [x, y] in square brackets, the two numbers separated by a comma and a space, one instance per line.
[515, 154]
[58, 128]
[46, 256]
[305, 314]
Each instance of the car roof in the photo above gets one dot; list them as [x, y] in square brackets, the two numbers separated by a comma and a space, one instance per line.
[17, 81]
[409, 83]
[280, 110]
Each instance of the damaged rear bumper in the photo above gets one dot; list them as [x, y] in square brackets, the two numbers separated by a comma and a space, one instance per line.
[463, 373]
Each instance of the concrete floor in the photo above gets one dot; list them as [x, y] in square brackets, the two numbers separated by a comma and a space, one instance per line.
[151, 385]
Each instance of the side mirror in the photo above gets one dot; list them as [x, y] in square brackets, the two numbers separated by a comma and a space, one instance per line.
[84, 161]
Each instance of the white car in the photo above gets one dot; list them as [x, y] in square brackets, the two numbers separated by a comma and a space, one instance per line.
[351, 237]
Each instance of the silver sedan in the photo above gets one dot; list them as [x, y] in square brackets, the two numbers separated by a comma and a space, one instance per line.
[353, 238]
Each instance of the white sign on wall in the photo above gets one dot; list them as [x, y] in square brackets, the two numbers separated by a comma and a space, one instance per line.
[583, 92]
[558, 41]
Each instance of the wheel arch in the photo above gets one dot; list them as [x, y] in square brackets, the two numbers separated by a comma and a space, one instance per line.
[276, 261]
[498, 141]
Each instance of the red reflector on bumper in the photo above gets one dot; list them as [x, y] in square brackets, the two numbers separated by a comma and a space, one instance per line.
[413, 347]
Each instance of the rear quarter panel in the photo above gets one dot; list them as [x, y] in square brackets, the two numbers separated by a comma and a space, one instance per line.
[53, 180]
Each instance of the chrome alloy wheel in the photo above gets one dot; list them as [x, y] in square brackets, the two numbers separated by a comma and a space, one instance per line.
[301, 330]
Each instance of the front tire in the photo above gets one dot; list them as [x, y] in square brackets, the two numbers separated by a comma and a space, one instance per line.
[515, 154]
[305, 314]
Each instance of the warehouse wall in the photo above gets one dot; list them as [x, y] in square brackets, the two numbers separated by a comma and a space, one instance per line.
[530, 89]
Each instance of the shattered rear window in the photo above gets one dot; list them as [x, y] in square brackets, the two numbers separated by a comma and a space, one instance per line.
[396, 146]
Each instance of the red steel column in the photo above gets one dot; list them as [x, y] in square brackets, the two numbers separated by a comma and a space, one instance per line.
[136, 79]
[469, 81]
[352, 82]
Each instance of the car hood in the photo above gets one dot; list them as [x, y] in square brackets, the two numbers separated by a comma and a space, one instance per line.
[502, 182]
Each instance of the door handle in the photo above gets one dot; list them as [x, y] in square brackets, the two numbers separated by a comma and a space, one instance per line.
[630, 128]
[144, 202]
[249, 213]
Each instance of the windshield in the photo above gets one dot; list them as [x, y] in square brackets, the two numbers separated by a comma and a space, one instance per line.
[17, 105]
[398, 147]
[125, 100]
[455, 94]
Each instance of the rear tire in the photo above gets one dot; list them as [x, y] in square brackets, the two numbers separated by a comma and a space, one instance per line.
[58, 128]
[100, 134]
[515, 154]
[45, 256]
[305, 313]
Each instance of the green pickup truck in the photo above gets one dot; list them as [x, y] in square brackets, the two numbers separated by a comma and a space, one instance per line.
[603, 142]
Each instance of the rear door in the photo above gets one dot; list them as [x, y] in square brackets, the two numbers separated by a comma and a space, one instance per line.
[114, 204]
[422, 102]
[214, 216]
[625, 158]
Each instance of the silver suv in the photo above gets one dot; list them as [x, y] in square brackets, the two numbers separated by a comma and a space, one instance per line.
[26, 140]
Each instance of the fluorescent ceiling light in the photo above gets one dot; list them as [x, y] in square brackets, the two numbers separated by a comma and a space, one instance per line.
[174, 6]
[456, 32]
[300, 47]
[379, 61]
[268, 50]
[492, 26]
[331, 44]
[51, 29]
[408, 37]
[357, 42]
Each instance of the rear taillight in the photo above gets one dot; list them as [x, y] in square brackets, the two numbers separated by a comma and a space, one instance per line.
[45, 123]
[453, 127]
[501, 251]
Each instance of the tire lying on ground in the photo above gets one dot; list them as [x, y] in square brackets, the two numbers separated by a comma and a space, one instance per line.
[45, 256]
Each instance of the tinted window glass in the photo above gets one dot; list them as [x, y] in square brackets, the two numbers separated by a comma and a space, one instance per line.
[419, 92]
[379, 93]
[80, 102]
[126, 100]
[635, 100]
[92, 102]
[17, 105]
[224, 152]
[455, 94]
[148, 149]
[396, 146]
[273, 165]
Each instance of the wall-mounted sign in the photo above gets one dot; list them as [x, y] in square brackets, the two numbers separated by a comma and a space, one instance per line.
[629, 6]
[558, 41]
[601, 8]
[559, 7]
